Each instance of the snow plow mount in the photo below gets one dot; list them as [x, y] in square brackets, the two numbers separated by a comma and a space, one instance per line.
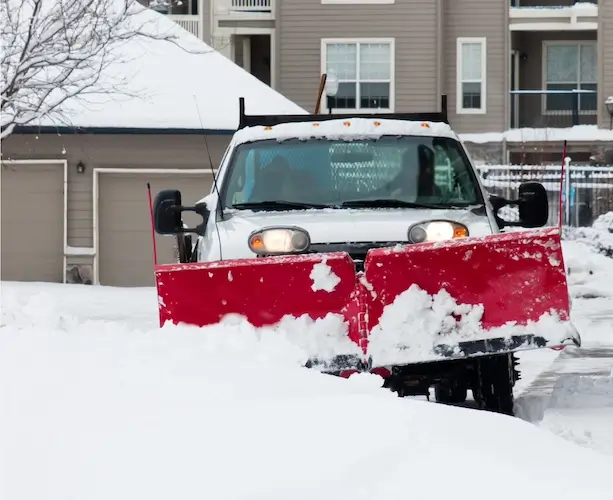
[412, 304]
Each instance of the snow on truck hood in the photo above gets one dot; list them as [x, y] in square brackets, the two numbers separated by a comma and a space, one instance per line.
[336, 225]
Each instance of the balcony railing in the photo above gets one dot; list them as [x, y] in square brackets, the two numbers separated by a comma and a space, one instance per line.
[531, 15]
[553, 108]
[188, 23]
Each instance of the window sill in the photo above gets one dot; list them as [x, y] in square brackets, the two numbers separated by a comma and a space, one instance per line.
[470, 111]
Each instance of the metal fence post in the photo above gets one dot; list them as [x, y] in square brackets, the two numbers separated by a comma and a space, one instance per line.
[567, 181]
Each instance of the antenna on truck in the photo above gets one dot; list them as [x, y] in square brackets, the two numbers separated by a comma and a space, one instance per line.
[208, 152]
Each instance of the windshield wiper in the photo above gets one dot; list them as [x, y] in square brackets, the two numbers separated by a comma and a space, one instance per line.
[277, 205]
[391, 203]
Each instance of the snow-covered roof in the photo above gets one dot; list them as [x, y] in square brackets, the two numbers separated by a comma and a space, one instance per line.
[346, 129]
[590, 133]
[176, 89]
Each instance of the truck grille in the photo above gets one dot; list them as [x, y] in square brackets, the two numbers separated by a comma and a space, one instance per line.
[357, 251]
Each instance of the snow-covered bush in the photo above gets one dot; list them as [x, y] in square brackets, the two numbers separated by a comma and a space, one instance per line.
[604, 222]
[599, 236]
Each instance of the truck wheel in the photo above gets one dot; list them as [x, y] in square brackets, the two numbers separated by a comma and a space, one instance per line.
[450, 392]
[493, 389]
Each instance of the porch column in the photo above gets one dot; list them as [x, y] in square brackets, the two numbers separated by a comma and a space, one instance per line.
[247, 53]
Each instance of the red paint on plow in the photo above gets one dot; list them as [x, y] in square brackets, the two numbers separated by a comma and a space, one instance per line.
[517, 276]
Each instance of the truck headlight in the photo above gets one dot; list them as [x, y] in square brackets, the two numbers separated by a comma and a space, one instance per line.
[436, 230]
[279, 240]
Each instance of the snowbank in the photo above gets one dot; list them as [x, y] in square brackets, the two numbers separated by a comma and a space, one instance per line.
[599, 236]
[590, 278]
[589, 272]
[94, 405]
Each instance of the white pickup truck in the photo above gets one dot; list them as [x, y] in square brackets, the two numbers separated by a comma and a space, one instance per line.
[321, 184]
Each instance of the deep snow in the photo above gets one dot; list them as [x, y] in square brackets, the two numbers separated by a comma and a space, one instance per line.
[98, 403]
[571, 393]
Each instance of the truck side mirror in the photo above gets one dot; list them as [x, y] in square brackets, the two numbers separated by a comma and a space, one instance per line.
[533, 204]
[167, 210]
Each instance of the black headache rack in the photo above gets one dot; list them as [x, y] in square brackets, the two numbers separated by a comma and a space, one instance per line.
[271, 120]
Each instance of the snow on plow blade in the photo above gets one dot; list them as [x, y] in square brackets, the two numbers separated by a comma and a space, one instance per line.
[498, 293]
[412, 304]
[264, 291]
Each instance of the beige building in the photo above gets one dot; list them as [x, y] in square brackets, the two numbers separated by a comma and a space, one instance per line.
[402, 54]
[74, 200]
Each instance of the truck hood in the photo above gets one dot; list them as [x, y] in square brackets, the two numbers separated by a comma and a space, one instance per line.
[333, 226]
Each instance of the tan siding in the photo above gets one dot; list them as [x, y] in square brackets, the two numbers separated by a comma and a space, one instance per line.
[111, 151]
[605, 55]
[478, 18]
[412, 23]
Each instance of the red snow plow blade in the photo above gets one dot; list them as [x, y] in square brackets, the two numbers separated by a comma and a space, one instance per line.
[412, 304]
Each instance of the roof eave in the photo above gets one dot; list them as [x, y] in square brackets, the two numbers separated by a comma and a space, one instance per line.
[118, 130]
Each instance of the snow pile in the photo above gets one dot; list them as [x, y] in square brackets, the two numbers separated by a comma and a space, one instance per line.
[428, 321]
[599, 236]
[604, 222]
[322, 339]
[98, 409]
[570, 393]
[589, 273]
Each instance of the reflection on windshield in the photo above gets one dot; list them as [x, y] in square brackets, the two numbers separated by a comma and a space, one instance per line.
[429, 171]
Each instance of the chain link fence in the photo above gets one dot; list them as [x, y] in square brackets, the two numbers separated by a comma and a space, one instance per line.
[588, 195]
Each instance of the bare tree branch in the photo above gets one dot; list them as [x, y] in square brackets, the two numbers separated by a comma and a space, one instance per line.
[59, 50]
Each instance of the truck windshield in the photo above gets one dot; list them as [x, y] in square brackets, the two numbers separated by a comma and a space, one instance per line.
[316, 173]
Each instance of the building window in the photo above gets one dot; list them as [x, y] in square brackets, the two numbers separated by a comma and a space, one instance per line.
[365, 71]
[568, 66]
[471, 75]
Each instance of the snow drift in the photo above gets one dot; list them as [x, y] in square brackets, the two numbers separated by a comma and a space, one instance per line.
[96, 403]
[599, 236]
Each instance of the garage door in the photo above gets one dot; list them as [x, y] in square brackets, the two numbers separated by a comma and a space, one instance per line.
[125, 254]
[32, 225]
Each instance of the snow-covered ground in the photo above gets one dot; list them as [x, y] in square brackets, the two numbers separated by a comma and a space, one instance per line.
[571, 393]
[97, 403]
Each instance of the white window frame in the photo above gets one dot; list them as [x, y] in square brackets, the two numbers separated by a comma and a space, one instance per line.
[548, 43]
[324, 56]
[460, 42]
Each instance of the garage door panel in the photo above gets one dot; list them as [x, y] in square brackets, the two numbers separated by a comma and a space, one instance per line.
[125, 249]
[32, 203]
